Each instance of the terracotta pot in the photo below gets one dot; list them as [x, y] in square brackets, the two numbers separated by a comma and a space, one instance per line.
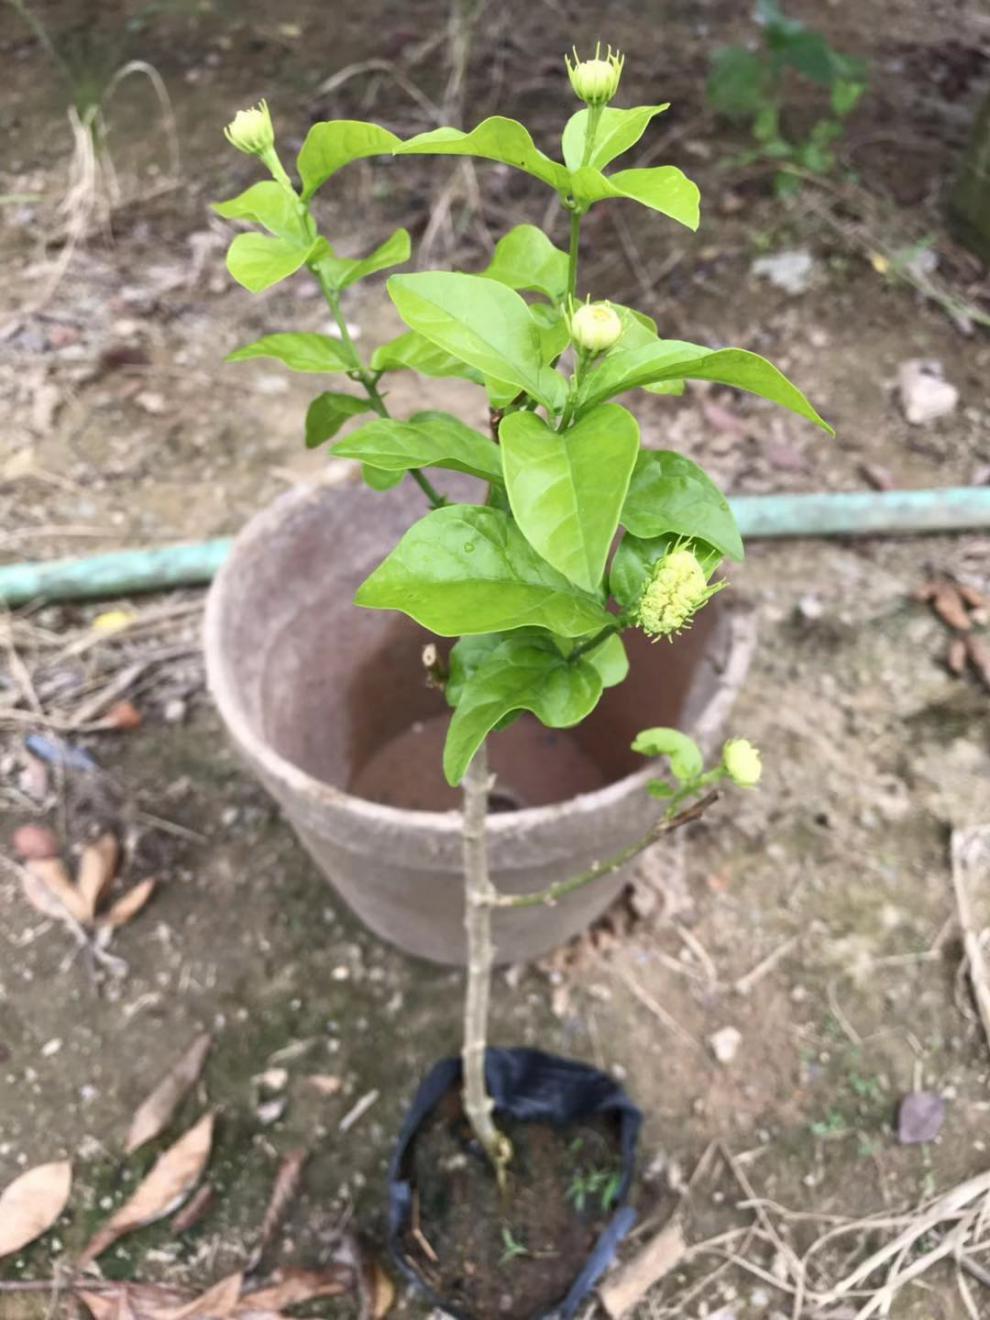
[327, 704]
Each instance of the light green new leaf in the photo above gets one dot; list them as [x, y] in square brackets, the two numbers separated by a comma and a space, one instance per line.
[465, 569]
[672, 359]
[379, 480]
[485, 324]
[662, 188]
[335, 143]
[669, 493]
[567, 488]
[526, 259]
[610, 660]
[343, 271]
[632, 564]
[411, 352]
[302, 351]
[523, 672]
[327, 414]
[269, 204]
[618, 130]
[686, 762]
[554, 334]
[497, 138]
[257, 262]
[431, 439]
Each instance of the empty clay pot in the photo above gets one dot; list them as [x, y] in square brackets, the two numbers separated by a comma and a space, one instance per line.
[328, 705]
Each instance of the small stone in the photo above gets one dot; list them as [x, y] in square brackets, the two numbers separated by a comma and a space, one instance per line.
[175, 711]
[791, 270]
[920, 1117]
[151, 402]
[725, 1044]
[924, 392]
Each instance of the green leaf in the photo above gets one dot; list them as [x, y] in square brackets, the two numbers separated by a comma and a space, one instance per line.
[257, 262]
[662, 188]
[610, 660]
[523, 672]
[567, 488]
[672, 359]
[738, 85]
[431, 439]
[343, 271]
[379, 480]
[554, 334]
[485, 324]
[686, 762]
[498, 139]
[411, 352]
[632, 563]
[273, 206]
[335, 143]
[618, 130]
[466, 569]
[302, 351]
[669, 493]
[327, 414]
[526, 259]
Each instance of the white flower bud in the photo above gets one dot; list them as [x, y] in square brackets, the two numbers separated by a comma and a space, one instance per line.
[595, 327]
[742, 762]
[674, 594]
[251, 130]
[595, 81]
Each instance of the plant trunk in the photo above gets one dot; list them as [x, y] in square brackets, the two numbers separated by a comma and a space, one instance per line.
[479, 901]
[969, 204]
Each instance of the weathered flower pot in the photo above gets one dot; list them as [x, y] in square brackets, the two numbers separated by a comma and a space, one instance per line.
[327, 704]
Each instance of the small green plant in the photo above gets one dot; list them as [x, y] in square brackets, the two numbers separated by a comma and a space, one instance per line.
[751, 86]
[601, 1185]
[513, 1248]
[525, 577]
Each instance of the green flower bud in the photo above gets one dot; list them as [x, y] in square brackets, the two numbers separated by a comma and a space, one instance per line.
[595, 327]
[251, 130]
[742, 763]
[595, 81]
[674, 594]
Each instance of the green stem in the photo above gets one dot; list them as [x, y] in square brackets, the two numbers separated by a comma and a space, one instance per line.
[555, 892]
[572, 260]
[598, 638]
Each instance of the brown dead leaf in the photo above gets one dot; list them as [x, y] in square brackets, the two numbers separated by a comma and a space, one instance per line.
[382, 1292]
[173, 1176]
[97, 869]
[122, 715]
[325, 1083]
[948, 605]
[973, 598]
[979, 658]
[32, 1203]
[51, 873]
[128, 905]
[194, 1210]
[155, 1113]
[284, 1189]
[217, 1303]
[291, 1287]
[32, 842]
[925, 592]
[134, 1301]
[955, 660]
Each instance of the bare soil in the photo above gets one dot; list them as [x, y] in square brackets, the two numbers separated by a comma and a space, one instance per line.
[122, 427]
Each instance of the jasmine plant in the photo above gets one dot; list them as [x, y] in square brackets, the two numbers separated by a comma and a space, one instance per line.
[525, 577]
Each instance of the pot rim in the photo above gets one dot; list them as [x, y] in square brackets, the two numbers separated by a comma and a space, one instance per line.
[376, 814]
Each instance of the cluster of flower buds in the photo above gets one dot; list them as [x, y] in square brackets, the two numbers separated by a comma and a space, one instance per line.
[595, 327]
[595, 81]
[675, 592]
[741, 762]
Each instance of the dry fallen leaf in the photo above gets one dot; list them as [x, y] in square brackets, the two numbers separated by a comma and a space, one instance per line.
[122, 715]
[127, 906]
[382, 1292]
[193, 1210]
[172, 1177]
[973, 598]
[979, 658]
[97, 868]
[955, 659]
[325, 1083]
[51, 873]
[155, 1113]
[217, 1303]
[32, 842]
[291, 1287]
[284, 1189]
[32, 1203]
[134, 1301]
[948, 605]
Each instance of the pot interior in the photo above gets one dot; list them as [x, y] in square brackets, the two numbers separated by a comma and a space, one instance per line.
[339, 691]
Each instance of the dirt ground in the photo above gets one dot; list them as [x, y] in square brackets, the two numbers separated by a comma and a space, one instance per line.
[122, 427]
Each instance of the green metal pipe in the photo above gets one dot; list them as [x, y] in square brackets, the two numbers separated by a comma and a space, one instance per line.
[855, 513]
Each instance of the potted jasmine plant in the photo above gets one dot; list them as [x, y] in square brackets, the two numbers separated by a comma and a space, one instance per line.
[509, 1179]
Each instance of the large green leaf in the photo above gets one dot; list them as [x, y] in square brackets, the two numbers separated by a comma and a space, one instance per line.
[411, 352]
[669, 493]
[618, 130]
[523, 672]
[485, 324]
[567, 488]
[258, 262]
[302, 351]
[662, 188]
[466, 569]
[672, 359]
[526, 259]
[270, 204]
[431, 439]
[633, 562]
[344, 271]
[498, 139]
[335, 143]
[327, 414]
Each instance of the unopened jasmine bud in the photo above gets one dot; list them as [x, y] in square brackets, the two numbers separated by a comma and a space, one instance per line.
[596, 80]
[742, 762]
[251, 131]
[676, 591]
[595, 327]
